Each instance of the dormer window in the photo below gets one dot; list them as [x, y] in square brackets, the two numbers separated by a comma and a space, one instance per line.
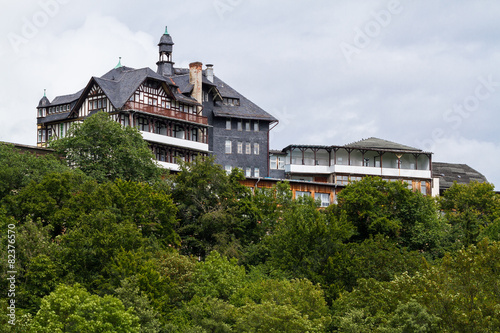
[231, 101]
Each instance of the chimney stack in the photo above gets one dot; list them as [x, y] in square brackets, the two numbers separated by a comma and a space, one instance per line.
[195, 73]
[210, 72]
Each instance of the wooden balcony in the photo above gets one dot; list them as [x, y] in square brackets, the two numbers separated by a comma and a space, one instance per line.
[154, 109]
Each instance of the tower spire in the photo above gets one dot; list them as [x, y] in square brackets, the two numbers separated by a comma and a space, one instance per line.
[165, 63]
[119, 63]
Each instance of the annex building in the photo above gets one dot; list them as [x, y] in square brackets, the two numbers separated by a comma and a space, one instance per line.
[181, 112]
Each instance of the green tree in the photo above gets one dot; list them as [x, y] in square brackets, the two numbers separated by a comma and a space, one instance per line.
[73, 309]
[19, 168]
[375, 207]
[460, 294]
[132, 297]
[216, 212]
[305, 238]
[105, 150]
[473, 210]
[88, 249]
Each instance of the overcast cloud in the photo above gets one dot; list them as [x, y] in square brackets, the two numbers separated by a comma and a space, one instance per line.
[421, 73]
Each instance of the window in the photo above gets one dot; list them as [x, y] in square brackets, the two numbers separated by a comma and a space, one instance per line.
[409, 184]
[423, 187]
[228, 123]
[248, 172]
[256, 149]
[96, 103]
[324, 199]
[179, 132]
[124, 120]
[273, 162]
[281, 162]
[61, 130]
[240, 147]
[160, 154]
[40, 135]
[228, 169]
[256, 126]
[256, 172]
[160, 128]
[49, 134]
[300, 194]
[239, 125]
[228, 147]
[248, 148]
[143, 124]
[194, 134]
[247, 125]
[342, 180]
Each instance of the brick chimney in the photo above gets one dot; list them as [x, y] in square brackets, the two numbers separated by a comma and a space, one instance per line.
[195, 72]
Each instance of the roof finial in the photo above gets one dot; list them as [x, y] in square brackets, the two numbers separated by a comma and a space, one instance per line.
[44, 92]
[119, 63]
[166, 32]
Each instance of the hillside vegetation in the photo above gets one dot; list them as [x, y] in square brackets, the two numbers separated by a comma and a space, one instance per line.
[198, 252]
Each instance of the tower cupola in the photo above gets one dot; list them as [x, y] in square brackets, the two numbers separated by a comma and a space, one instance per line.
[42, 105]
[165, 63]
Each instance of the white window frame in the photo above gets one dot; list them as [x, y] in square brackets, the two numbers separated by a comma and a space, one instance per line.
[256, 149]
[324, 199]
[229, 147]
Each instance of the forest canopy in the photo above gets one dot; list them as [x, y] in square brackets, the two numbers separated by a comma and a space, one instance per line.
[198, 252]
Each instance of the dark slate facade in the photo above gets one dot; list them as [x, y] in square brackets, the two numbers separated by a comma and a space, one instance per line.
[239, 132]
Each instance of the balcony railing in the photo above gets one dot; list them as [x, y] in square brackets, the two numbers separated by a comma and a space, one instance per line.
[166, 112]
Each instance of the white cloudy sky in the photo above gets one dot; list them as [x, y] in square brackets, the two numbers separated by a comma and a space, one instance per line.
[422, 73]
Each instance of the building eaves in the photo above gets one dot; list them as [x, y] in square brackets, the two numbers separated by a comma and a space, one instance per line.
[53, 117]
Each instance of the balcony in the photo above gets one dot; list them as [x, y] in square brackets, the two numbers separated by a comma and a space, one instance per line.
[169, 166]
[152, 109]
[171, 141]
[357, 170]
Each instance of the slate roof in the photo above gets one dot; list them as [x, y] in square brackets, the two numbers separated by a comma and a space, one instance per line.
[368, 144]
[120, 83]
[65, 99]
[376, 143]
[451, 172]
[53, 117]
[182, 81]
[246, 110]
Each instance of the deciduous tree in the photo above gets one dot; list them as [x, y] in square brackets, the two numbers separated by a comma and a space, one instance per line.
[105, 150]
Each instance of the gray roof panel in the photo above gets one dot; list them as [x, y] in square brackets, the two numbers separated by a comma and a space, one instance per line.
[376, 143]
[448, 173]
